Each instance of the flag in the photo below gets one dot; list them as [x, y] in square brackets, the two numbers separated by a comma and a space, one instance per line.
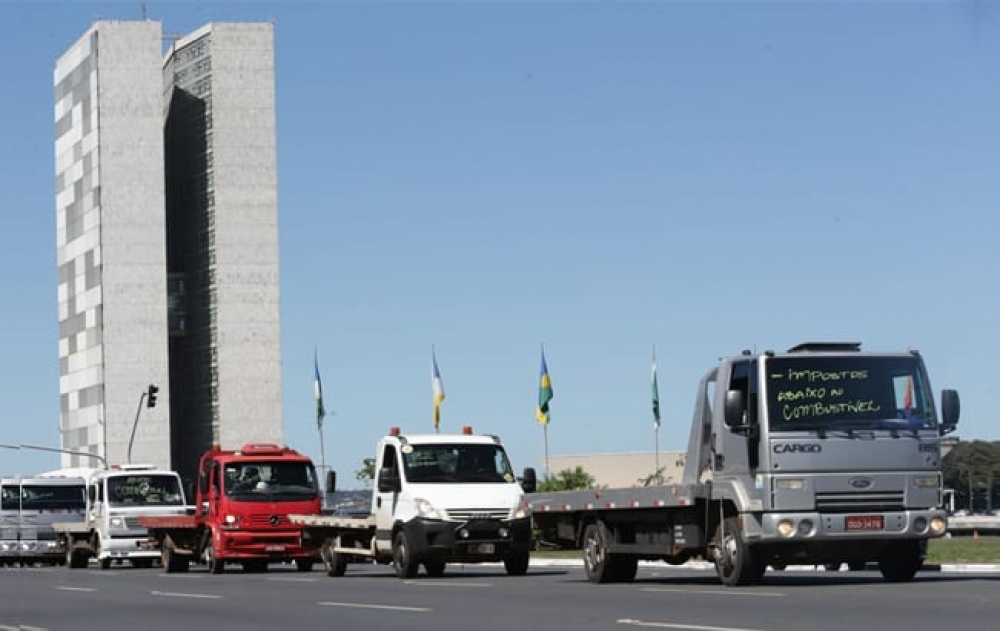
[908, 395]
[437, 387]
[318, 393]
[544, 394]
[656, 396]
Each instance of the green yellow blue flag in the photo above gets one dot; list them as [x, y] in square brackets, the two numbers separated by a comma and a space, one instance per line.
[544, 394]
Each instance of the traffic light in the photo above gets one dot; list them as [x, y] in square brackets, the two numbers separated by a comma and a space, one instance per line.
[151, 396]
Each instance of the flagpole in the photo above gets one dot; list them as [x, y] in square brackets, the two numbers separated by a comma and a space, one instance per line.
[545, 432]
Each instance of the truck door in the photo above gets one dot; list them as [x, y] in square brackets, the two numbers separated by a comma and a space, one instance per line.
[737, 444]
[386, 494]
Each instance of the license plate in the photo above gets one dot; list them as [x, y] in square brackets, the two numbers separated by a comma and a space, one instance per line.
[486, 548]
[274, 548]
[864, 522]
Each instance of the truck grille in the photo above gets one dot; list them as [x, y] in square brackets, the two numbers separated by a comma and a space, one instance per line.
[860, 502]
[267, 520]
[466, 514]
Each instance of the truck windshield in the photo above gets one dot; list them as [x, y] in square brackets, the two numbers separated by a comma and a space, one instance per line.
[52, 497]
[278, 480]
[848, 393]
[456, 463]
[145, 490]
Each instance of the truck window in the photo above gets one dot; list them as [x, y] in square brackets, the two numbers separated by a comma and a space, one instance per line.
[474, 463]
[52, 497]
[268, 481]
[841, 393]
[144, 490]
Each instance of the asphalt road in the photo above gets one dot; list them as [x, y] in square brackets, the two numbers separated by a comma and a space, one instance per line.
[484, 599]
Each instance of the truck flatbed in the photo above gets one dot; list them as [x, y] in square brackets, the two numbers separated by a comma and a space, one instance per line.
[670, 495]
[345, 522]
[170, 521]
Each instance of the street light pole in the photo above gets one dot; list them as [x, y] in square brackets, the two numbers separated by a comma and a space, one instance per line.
[71, 452]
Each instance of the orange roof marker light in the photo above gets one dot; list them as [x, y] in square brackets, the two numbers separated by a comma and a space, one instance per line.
[467, 430]
[394, 431]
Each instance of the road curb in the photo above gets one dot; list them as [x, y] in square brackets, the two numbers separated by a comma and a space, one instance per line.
[953, 568]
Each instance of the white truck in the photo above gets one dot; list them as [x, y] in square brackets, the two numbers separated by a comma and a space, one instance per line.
[821, 455]
[116, 498]
[28, 508]
[437, 499]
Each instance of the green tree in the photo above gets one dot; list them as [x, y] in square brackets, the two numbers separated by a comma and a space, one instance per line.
[972, 470]
[567, 480]
[653, 479]
[367, 471]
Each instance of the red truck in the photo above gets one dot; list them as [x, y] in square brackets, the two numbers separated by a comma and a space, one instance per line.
[243, 500]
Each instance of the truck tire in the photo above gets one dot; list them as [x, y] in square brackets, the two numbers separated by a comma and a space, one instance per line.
[173, 562]
[335, 562]
[215, 565]
[517, 561]
[734, 563]
[76, 558]
[602, 566]
[435, 567]
[900, 561]
[402, 556]
[304, 565]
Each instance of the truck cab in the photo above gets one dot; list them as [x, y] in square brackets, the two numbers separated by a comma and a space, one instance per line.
[244, 499]
[29, 506]
[821, 455]
[441, 498]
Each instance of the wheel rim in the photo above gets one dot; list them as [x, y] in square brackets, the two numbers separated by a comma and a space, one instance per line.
[592, 552]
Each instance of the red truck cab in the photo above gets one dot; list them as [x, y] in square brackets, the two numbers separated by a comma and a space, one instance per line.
[243, 500]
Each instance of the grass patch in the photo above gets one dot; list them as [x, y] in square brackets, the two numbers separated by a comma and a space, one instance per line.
[964, 550]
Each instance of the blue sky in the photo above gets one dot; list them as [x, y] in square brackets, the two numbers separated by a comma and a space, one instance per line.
[600, 177]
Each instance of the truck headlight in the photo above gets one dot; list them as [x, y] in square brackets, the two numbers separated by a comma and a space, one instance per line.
[231, 522]
[523, 511]
[790, 484]
[926, 482]
[116, 522]
[426, 510]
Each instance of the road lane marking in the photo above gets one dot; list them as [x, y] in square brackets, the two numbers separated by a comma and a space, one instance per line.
[76, 589]
[673, 625]
[289, 579]
[21, 627]
[370, 606]
[447, 584]
[183, 595]
[715, 592]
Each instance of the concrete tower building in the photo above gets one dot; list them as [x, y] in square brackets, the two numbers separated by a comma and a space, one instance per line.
[166, 202]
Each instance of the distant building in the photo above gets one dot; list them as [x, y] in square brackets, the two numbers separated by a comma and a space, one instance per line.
[623, 469]
[166, 205]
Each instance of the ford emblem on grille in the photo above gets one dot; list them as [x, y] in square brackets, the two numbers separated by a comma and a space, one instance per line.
[861, 483]
[274, 520]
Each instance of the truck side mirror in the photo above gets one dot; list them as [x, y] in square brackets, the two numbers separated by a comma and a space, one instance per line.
[331, 481]
[92, 494]
[529, 481]
[734, 407]
[388, 480]
[950, 410]
[203, 482]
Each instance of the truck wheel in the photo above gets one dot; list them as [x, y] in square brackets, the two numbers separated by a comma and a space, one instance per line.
[105, 563]
[516, 562]
[304, 565]
[215, 565]
[734, 563]
[435, 567]
[602, 566]
[76, 558]
[336, 563]
[402, 556]
[900, 561]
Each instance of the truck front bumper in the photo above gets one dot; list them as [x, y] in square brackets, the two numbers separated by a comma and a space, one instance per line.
[471, 542]
[811, 526]
[30, 550]
[128, 547]
[248, 545]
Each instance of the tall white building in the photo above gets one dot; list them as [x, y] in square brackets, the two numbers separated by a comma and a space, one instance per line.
[166, 203]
